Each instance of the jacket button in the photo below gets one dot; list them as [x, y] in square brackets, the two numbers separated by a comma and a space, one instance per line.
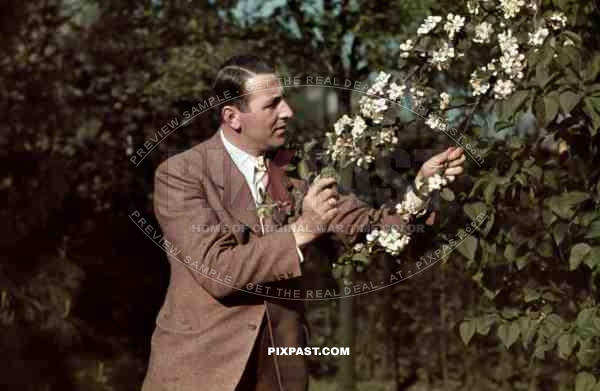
[252, 326]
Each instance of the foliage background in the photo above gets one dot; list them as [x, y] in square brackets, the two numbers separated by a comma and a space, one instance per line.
[81, 82]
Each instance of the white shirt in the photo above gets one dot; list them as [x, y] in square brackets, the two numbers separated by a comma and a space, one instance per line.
[246, 164]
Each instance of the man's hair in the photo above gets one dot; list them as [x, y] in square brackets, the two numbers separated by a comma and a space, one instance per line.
[232, 77]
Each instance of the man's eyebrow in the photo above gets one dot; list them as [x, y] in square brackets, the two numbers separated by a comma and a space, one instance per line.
[273, 98]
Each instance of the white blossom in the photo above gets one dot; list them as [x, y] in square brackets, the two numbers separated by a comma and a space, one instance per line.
[557, 21]
[444, 100]
[395, 91]
[410, 204]
[393, 242]
[435, 123]
[503, 89]
[568, 42]
[373, 235]
[386, 136]
[435, 182]
[512, 62]
[537, 38]
[479, 86]
[365, 160]
[532, 6]
[341, 123]
[407, 46]
[379, 85]
[428, 24]
[373, 108]
[454, 24]
[417, 96]
[483, 32]
[358, 127]
[473, 7]
[439, 58]
[511, 8]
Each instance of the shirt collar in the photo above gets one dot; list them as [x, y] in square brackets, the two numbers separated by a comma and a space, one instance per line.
[242, 159]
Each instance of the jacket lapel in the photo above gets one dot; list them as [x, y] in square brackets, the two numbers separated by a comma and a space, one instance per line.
[237, 197]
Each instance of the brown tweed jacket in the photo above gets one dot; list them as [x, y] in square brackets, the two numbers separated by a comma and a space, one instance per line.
[206, 328]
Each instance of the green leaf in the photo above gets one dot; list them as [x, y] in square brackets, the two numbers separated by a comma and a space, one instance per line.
[588, 353]
[594, 230]
[573, 55]
[475, 210]
[592, 69]
[467, 330]
[468, 247]
[510, 313]
[545, 249]
[510, 253]
[584, 381]
[563, 204]
[559, 231]
[592, 109]
[578, 253]
[531, 294]
[447, 194]
[489, 192]
[360, 257]
[551, 104]
[568, 100]
[584, 317]
[593, 90]
[508, 333]
[522, 261]
[534, 171]
[566, 343]
[516, 100]
[576, 38]
[592, 260]
[541, 348]
[542, 75]
[484, 323]
[548, 217]
[528, 329]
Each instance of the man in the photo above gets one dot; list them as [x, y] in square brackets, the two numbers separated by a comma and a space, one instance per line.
[211, 332]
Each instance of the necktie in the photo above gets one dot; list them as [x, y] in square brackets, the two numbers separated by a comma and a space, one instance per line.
[261, 179]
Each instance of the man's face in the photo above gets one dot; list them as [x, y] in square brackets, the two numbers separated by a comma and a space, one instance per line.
[265, 120]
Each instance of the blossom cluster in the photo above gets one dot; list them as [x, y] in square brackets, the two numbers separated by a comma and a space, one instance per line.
[359, 138]
[392, 241]
[438, 43]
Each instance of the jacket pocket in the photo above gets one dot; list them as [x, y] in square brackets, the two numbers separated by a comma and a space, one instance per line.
[177, 322]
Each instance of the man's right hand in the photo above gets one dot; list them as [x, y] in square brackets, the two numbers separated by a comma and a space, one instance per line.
[319, 206]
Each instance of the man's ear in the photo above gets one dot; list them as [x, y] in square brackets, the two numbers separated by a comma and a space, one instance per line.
[231, 116]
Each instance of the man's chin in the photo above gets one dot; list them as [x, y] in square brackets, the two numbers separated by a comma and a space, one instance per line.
[277, 142]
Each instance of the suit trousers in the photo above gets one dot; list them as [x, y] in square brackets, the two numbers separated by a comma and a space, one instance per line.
[262, 370]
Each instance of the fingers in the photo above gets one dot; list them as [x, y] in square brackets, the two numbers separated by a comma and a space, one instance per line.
[330, 214]
[321, 184]
[457, 162]
[454, 171]
[455, 153]
[326, 194]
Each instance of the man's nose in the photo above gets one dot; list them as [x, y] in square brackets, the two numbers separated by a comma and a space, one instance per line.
[286, 110]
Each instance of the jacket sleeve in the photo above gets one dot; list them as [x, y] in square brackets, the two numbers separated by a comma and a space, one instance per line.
[213, 255]
[356, 217]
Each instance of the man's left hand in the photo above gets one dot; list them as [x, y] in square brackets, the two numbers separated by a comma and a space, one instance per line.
[452, 160]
